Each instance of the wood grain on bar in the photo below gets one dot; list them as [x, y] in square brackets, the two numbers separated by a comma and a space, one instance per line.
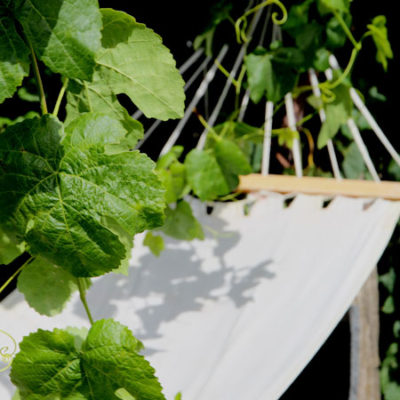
[323, 186]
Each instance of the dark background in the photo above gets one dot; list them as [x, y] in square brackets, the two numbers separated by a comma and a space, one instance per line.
[327, 376]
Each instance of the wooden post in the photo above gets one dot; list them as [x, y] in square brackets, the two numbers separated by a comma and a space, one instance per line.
[364, 326]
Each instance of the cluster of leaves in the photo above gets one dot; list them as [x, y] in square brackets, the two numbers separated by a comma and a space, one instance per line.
[73, 193]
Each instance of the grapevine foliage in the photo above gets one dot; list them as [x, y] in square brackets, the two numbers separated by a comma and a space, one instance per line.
[73, 193]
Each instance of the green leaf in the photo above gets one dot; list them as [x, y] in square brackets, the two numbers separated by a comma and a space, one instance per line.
[286, 136]
[181, 224]
[232, 162]
[388, 306]
[123, 394]
[10, 249]
[16, 395]
[204, 175]
[379, 34]
[266, 75]
[178, 396]
[337, 113]
[47, 288]
[353, 164]
[110, 361]
[93, 128]
[68, 190]
[321, 59]
[327, 6]
[50, 364]
[14, 60]
[392, 391]
[155, 243]
[394, 170]
[376, 95]
[65, 34]
[173, 175]
[133, 61]
[396, 329]
[388, 280]
[335, 35]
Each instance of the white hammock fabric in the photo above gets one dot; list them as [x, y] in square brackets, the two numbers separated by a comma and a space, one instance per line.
[240, 314]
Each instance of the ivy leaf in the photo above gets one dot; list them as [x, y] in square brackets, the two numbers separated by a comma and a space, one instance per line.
[65, 34]
[155, 243]
[50, 364]
[266, 75]
[14, 61]
[181, 224]
[286, 136]
[337, 113]
[204, 175]
[133, 61]
[379, 34]
[59, 190]
[10, 249]
[46, 287]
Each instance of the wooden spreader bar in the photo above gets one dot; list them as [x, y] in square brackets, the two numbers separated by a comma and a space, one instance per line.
[322, 186]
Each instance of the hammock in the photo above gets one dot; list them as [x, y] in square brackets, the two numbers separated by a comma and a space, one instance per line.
[240, 314]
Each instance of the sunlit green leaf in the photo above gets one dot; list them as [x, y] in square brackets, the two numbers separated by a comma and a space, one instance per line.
[133, 61]
[65, 34]
[51, 364]
[379, 34]
[154, 242]
[69, 188]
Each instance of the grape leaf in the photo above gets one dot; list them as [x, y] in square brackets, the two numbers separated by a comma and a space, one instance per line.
[337, 113]
[154, 243]
[59, 189]
[65, 34]
[327, 6]
[10, 249]
[123, 394]
[181, 224]
[379, 34]
[50, 364]
[353, 164]
[173, 175]
[133, 61]
[14, 61]
[46, 287]
[204, 175]
[265, 74]
[232, 162]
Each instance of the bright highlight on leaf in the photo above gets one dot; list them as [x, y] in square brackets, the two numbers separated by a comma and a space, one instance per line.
[65, 34]
[63, 188]
[51, 364]
[133, 61]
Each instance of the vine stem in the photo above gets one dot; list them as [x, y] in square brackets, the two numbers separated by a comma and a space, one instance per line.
[16, 273]
[82, 294]
[60, 97]
[43, 104]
